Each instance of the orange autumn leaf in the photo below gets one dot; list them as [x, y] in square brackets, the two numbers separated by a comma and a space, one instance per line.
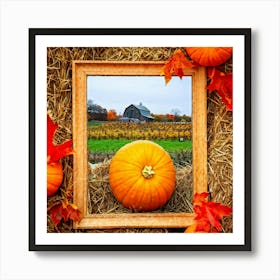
[208, 214]
[56, 152]
[176, 66]
[222, 83]
[64, 211]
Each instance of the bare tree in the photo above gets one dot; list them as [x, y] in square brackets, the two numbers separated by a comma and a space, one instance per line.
[96, 111]
[176, 112]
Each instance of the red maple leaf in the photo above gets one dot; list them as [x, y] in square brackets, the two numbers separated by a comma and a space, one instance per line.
[199, 198]
[208, 214]
[56, 214]
[56, 152]
[222, 83]
[64, 211]
[73, 212]
[176, 65]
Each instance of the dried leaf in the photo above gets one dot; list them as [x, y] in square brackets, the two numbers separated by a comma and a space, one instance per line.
[64, 211]
[176, 66]
[56, 214]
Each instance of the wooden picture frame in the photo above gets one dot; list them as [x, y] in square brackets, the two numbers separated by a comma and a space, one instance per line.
[82, 69]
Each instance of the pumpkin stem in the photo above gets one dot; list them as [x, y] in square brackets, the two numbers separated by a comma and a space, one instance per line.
[148, 172]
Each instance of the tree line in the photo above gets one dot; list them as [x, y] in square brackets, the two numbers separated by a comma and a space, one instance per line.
[97, 112]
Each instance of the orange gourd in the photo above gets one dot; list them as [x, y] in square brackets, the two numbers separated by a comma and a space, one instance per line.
[54, 177]
[142, 175]
[209, 56]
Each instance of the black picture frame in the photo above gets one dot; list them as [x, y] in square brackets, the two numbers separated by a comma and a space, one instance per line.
[34, 34]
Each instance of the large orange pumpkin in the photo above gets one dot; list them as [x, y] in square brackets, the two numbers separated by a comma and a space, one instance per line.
[209, 56]
[142, 176]
[54, 177]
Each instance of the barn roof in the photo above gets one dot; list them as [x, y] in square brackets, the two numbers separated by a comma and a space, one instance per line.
[141, 107]
[145, 112]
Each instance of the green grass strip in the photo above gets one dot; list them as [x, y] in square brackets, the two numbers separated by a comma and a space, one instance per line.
[112, 145]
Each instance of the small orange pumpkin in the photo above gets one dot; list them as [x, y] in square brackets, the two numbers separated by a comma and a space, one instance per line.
[54, 177]
[209, 56]
[142, 175]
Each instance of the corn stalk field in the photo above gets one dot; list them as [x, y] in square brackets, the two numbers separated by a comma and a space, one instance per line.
[134, 131]
[105, 138]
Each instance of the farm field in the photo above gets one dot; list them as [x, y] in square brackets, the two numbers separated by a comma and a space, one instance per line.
[106, 138]
[134, 131]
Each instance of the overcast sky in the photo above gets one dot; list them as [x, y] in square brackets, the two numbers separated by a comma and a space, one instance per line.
[118, 92]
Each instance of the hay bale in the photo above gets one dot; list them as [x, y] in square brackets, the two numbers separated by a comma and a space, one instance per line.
[102, 201]
[220, 147]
